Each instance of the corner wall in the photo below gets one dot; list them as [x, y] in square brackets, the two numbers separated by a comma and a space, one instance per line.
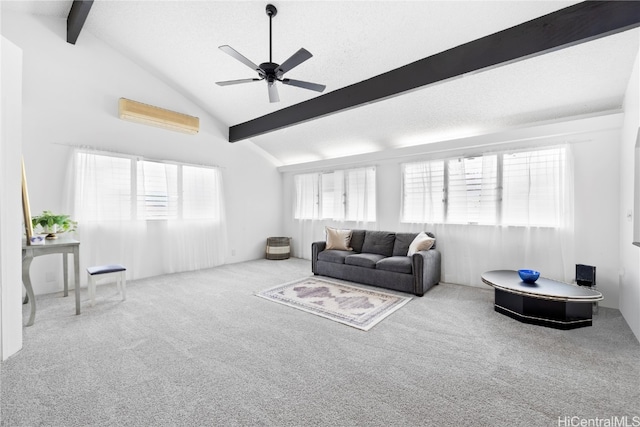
[10, 206]
[629, 254]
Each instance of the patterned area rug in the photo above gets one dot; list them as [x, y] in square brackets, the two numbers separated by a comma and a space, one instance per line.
[353, 306]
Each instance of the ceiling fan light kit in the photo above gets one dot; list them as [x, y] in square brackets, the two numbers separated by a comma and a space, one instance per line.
[155, 116]
[270, 71]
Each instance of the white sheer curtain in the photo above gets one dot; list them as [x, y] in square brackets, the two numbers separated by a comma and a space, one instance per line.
[468, 250]
[360, 203]
[307, 204]
[306, 214]
[472, 190]
[199, 239]
[124, 215]
[103, 206]
[422, 191]
[334, 196]
[533, 187]
[339, 199]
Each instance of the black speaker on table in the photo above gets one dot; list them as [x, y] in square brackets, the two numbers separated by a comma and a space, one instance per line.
[586, 276]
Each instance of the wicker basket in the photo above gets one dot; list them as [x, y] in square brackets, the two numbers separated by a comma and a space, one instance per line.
[278, 247]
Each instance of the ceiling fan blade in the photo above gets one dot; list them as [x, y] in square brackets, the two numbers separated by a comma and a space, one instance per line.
[237, 55]
[296, 59]
[235, 82]
[305, 85]
[273, 92]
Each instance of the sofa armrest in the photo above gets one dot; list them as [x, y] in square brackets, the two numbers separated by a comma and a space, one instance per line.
[316, 248]
[426, 270]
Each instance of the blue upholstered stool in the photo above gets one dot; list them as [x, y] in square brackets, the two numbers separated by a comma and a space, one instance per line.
[104, 271]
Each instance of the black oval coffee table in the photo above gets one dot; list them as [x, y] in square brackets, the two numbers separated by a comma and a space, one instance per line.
[546, 302]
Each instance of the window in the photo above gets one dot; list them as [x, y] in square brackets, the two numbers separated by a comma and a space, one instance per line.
[332, 199]
[198, 186]
[343, 195]
[360, 194]
[104, 186]
[423, 191]
[532, 187]
[307, 196]
[157, 190]
[523, 188]
[472, 190]
[108, 185]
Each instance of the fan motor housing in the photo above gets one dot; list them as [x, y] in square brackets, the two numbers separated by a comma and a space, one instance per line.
[269, 69]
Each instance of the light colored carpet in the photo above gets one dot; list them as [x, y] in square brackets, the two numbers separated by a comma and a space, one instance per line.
[199, 349]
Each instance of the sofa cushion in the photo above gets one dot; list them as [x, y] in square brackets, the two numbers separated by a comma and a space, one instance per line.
[363, 260]
[338, 239]
[357, 239]
[422, 242]
[334, 256]
[379, 242]
[397, 264]
[401, 245]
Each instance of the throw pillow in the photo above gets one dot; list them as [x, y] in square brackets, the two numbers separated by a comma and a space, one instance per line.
[403, 240]
[422, 242]
[378, 242]
[338, 239]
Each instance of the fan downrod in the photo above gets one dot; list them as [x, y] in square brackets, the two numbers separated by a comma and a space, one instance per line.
[271, 12]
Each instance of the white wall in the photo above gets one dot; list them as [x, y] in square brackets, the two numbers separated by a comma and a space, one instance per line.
[629, 254]
[10, 205]
[595, 144]
[595, 205]
[71, 95]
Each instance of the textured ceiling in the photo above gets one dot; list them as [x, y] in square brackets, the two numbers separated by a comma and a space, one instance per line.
[351, 42]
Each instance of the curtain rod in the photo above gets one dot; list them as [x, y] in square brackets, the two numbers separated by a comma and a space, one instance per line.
[106, 150]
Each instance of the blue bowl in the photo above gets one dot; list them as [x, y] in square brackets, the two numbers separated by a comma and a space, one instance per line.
[529, 276]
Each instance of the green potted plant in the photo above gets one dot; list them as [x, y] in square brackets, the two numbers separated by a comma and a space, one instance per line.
[53, 223]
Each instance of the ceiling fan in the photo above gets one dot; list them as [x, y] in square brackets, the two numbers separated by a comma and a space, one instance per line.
[270, 71]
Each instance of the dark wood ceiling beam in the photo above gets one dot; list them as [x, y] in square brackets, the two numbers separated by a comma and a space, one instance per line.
[77, 16]
[567, 27]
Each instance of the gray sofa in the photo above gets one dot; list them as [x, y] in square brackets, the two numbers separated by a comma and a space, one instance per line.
[379, 258]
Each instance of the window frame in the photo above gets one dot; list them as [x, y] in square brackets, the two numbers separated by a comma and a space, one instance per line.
[134, 178]
[498, 202]
[339, 194]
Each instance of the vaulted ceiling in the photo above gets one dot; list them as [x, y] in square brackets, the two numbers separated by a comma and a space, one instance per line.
[352, 41]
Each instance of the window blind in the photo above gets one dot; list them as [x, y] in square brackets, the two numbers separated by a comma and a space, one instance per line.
[125, 188]
[472, 190]
[339, 195]
[330, 201]
[523, 188]
[423, 192]
[157, 192]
